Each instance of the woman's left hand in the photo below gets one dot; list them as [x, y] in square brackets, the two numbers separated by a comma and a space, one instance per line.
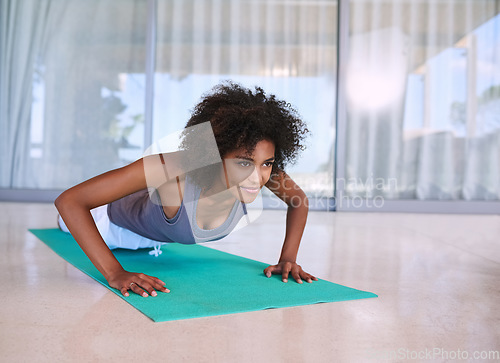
[288, 267]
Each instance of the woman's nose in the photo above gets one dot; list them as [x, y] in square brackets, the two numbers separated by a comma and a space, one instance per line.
[255, 177]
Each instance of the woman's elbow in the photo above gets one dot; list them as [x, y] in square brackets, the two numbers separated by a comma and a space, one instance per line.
[62, 200]
[305, 202]
[59, 201]
[299, 202]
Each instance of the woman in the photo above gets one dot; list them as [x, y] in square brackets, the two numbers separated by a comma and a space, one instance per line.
[197, 194]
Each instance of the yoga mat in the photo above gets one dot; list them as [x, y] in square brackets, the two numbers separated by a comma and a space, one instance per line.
[203, 281]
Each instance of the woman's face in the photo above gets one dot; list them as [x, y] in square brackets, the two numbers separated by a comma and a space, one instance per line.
[245, 174]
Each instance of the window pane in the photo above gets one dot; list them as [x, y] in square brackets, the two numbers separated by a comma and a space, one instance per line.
[423, 89]
[81, 112]
[286, 47]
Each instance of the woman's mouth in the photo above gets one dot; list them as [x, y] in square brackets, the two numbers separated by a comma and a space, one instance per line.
[250, 190]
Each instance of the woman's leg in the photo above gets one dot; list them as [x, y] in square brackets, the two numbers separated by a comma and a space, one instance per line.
[61, 224]
[114, 236]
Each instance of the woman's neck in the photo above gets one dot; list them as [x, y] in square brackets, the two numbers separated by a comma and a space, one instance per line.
[217, 197]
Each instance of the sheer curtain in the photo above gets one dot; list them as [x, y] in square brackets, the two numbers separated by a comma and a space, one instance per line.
[286, 47]
[24, 28]
[71, 89]
[72, 81]
[423, 91]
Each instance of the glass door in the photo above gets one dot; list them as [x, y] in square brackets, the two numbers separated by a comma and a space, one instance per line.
[286, 47]
[422, 92]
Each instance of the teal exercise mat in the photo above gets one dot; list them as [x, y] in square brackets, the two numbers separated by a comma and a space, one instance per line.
[203, 281]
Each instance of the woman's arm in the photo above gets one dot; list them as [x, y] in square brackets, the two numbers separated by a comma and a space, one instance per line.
[74, 206]
[298, 207]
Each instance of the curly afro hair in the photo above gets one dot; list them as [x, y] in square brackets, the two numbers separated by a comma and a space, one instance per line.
[241, 118]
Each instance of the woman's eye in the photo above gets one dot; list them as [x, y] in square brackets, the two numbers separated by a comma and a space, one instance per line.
[244, 164]
[269, 163]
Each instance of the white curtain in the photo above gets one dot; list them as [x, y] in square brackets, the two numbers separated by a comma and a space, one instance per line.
[71, 89]
[72, 82]
[24, 28]
[286, 47]
[423, 89]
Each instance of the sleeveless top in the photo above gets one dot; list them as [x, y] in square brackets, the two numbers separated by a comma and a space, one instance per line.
[139, 214]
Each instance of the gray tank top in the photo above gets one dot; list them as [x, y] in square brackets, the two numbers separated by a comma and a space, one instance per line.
[139, 214]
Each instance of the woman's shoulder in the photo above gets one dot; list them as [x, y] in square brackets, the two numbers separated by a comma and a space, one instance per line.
[163, 167]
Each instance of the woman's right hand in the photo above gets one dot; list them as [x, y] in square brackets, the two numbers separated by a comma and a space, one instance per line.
[139, 283]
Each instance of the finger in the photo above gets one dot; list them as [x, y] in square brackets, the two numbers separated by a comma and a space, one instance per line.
[268, 271]
[157, 284]
[296, 275]
[146, 285]
[285, 271]
[124, 291]
[161, 287]
[138, 290]
[154, 283]
[305, 276]
[155, 279]
[310, 278]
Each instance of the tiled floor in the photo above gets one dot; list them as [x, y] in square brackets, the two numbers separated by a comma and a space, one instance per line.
[437, 277]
